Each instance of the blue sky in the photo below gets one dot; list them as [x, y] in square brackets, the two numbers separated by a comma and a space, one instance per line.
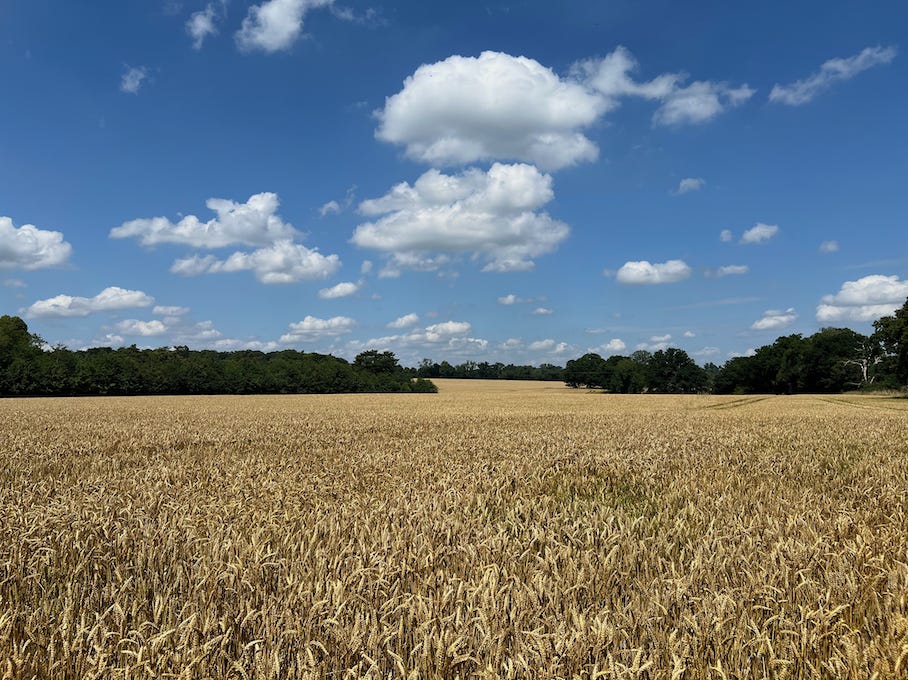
[500, 181]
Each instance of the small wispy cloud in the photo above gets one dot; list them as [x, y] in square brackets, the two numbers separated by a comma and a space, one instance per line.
[689, 184]
[132, 79]
[832, 71]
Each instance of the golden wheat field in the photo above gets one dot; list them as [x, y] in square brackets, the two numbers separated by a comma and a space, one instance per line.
[494, 530]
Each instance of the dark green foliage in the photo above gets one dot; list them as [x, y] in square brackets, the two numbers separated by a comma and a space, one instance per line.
[487, 371]
[27, 370]
[891, 334]
[672, 371]
[829, 361]
[669, 371]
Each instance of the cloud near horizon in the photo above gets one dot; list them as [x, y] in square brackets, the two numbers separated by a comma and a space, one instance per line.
[866, 299]
[109, 299]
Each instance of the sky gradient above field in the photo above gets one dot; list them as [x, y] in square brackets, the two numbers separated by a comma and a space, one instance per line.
[501, 181]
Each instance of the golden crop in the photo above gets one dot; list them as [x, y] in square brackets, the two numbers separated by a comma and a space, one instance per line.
[494, 530]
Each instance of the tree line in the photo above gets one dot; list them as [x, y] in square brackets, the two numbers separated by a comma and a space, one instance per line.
[486, 371]
[829, 361]
[27, 369]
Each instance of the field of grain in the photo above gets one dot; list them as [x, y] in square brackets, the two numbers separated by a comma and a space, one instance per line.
[494, 530]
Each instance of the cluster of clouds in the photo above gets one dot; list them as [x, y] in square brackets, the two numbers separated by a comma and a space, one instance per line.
[279, 259]
[498, 106]
[518, 116]
[759, 233]
[271, 26]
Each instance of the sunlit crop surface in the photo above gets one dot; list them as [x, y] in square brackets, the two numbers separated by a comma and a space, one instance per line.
[494, 530]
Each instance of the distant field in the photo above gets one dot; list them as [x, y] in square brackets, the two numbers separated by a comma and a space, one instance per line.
[493, 530]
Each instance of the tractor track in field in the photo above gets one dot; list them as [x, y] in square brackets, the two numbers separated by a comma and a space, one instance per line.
[734, 404]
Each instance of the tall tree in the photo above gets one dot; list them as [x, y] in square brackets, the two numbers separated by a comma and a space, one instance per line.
[892, 334]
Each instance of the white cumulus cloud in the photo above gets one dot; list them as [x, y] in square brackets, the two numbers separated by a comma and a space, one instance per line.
[109, 299]
[542, 345]
[689, 184]
[312, 328]
[28, 247]
[254, 223]
[866, 299]
[340, 290]
[405, 321]
[831, 72]
[542, 311]
[827, 247]
[491, 215]
[732, 270]
[132, 79]
[282, 262]
[169, 310]
[494, 106]
[725, 235]
[439, 331]
[500, 107]
[774, 318]
[646, 273]
[200, 25]
[759, 233]
[275, 25]
[699, 102]
[143, 328]
[613, 346]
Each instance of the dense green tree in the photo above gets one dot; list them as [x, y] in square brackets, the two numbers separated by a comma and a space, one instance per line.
[587, 371]
[26, 369]
[672, 371]
[891, 333]
[374, 361]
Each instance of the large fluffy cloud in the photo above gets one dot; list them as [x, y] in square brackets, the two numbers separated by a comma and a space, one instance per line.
[492, 215]
[866, 299]
[275, 25]
[831, 72]
[253, 223]
[465, 109]
[282, 262]
[109, 299]
[498, 106]
[648, 273]
[28, 247]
